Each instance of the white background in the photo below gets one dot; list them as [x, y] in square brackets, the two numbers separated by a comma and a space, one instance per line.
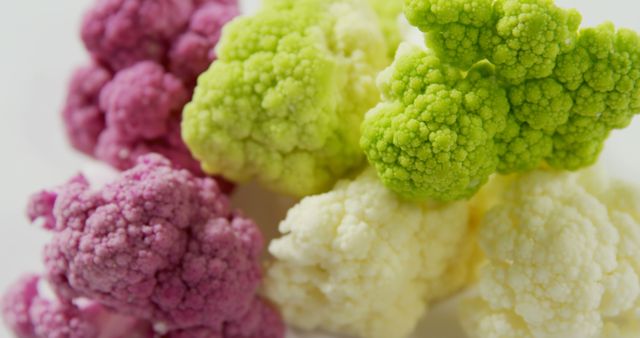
[39, 47]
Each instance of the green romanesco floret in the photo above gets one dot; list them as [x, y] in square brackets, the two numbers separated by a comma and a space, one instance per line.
[527, 37]
[542, 104]
[452, 27]
[522, 38]
[284, 101]
[433, 133]
[563, 253]
[520, 147]
[561, 116]
[603, 75]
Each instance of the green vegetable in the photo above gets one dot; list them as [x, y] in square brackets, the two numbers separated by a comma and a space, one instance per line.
[522, 38]
[506, 87]
[433, 133]
[284, 101]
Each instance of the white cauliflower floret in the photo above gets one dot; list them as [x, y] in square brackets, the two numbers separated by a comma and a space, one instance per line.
[564, 260]
[360, 261]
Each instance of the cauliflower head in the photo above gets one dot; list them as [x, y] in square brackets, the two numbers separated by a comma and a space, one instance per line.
[29, 313]
[146, 56]
[563, 260]
[360, 261]
[602, 75]
[442, 129]
[452, 27]
[432, 135]
[156, 242]
[290, 86]
[522, 38]
[180, 34]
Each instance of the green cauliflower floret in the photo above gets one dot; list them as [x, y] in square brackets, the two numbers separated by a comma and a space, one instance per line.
[290, 86]
[603, 76]
[520, 147]
[543, 104]
[578, 143]
[527, 38]
[452, 27]
[389, 14]
[433, 133]
[426, 141]
[522, 38]
[603, 73]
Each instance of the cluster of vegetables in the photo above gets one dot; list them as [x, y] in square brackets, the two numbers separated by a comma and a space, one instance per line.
[392, 148]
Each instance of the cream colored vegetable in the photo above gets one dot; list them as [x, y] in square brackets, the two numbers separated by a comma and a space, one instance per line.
[564, 260]
[360, 261]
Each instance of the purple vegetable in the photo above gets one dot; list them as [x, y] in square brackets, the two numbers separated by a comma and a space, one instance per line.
[31, 315]
[157, 243]
[147, 55]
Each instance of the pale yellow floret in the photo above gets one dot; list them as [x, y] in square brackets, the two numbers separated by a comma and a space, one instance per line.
[563, 255]
[360, 261]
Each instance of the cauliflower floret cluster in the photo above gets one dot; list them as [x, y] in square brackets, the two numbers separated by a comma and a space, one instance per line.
[563, 260]
[283, 102]
[359, 261]
[522, 38]
[433, 134]
[147, 55]
[506, 87]
[159, 244]
[30, 314]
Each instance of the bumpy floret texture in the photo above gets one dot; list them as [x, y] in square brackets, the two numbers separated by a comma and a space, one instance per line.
[433, 134]
[30, 314]
[180, 34]
[562, 119]
[117, 119]
[284, 101]
[359, 261]
[602, 74]
[261, 321]
[522, 38]
[157, 243]
[527, 38]
[563, 260]
[453, 27]
[147, 56]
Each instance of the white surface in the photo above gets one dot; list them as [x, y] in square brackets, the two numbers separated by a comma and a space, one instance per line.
[39, 48]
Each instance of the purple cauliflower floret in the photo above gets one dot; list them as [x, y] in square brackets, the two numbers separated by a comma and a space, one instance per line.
[193, 52]
[147, 55]
[31, 315]
[83, 119]
[132, 114]
[140, 100]
[122, 32]
[122, 153]
[16, 304]
[54, 319]
[40, 206]
[180, 34]
[157, 243]
[261, 321]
